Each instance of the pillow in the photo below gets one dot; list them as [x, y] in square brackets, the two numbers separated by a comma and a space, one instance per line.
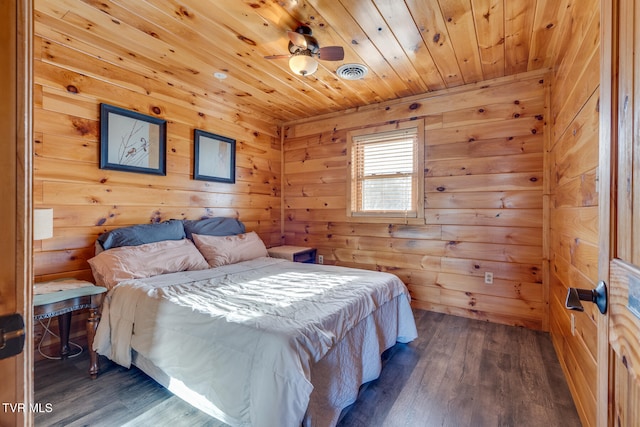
[141, 234]
[223, 250]
[219, 226]
[151, 259]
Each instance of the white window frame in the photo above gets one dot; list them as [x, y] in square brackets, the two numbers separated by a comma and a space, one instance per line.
[353, 198]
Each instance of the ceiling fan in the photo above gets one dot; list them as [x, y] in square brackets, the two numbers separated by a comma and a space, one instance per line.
[304, 49]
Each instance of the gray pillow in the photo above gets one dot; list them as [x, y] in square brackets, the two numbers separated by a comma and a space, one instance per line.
[218, 226]
[141, 234]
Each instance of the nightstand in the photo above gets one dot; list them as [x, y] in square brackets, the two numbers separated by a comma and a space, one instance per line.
[294, 253]
[61, 298]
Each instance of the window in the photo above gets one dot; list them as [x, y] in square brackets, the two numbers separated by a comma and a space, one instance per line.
[387, 172]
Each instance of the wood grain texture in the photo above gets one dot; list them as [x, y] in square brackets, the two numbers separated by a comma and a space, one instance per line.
[620, 163]
[73, 76]
[457, 372]
[472, 374]
[75, 71]
[409, 48]
[482, 208]
[572, 155]
[16, 169]
[486, 130]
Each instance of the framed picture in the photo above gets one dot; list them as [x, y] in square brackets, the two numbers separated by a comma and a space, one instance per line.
[131, 141]
[214, 157]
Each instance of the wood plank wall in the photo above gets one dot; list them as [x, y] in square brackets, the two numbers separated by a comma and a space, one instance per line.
[483, 199]
[573, 200]
[73, 75]
[480, 148]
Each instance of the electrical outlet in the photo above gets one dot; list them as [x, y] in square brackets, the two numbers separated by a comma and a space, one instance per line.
[573, 324]
[320, 259]
[488, 278]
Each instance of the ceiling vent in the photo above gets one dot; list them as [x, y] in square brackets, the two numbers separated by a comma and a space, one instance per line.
[352, 71]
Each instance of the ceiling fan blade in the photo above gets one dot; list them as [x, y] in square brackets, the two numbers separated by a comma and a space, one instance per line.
[277, 56]
[297, 39]
[331, 53]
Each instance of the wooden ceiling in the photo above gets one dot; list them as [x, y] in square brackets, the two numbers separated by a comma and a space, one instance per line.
[410, 47]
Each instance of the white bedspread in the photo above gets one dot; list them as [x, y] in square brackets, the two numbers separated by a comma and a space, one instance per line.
[245, 336]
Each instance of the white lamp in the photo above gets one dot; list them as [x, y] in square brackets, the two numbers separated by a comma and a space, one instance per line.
[42, 224]
[302, 63]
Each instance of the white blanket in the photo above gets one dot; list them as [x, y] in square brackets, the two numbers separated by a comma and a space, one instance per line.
[244, 336]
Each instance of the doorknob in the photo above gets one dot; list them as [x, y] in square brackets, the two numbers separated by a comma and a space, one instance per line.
[597, 296]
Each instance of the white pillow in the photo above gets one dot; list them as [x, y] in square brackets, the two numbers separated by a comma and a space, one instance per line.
[223, 250]
[151, 259]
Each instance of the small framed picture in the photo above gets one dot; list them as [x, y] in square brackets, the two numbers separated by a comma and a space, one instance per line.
[131, 141]
[214, 157]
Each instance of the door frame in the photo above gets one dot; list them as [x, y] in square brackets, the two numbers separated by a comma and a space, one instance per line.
[16, 170]
[606, 201]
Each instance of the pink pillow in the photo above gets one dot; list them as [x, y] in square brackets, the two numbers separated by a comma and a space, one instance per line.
[223, 250]
[151, 259]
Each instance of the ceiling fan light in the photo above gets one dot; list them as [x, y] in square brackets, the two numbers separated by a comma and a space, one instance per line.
[303, 64]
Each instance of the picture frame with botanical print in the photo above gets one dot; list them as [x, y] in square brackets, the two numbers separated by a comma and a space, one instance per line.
[132, 141]
[214, 157]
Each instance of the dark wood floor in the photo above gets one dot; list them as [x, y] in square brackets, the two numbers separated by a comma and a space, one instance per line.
[459, 372]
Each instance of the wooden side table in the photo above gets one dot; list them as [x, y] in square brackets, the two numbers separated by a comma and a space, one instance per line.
[61, 298]
[294, 253]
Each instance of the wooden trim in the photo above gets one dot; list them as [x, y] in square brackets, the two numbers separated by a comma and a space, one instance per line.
[606, 170]
[16, 78]
[546, 205]
[24, 193]
[282, 206]
[419, 124]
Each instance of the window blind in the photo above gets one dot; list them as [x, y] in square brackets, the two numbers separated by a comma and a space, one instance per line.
[385, 172]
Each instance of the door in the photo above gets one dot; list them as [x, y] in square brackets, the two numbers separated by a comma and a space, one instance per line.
[15, 208]
[619, 260]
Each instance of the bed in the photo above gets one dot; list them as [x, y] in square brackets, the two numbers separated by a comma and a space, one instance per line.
[250, 340]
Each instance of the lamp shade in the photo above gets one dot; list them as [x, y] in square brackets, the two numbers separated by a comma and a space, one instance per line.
[303, 63]
[42, 224]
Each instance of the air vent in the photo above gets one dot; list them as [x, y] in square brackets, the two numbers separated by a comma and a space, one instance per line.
[352, 71]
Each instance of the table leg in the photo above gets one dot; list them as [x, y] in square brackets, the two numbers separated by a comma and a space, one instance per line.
[64, 325]
[92, 325]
